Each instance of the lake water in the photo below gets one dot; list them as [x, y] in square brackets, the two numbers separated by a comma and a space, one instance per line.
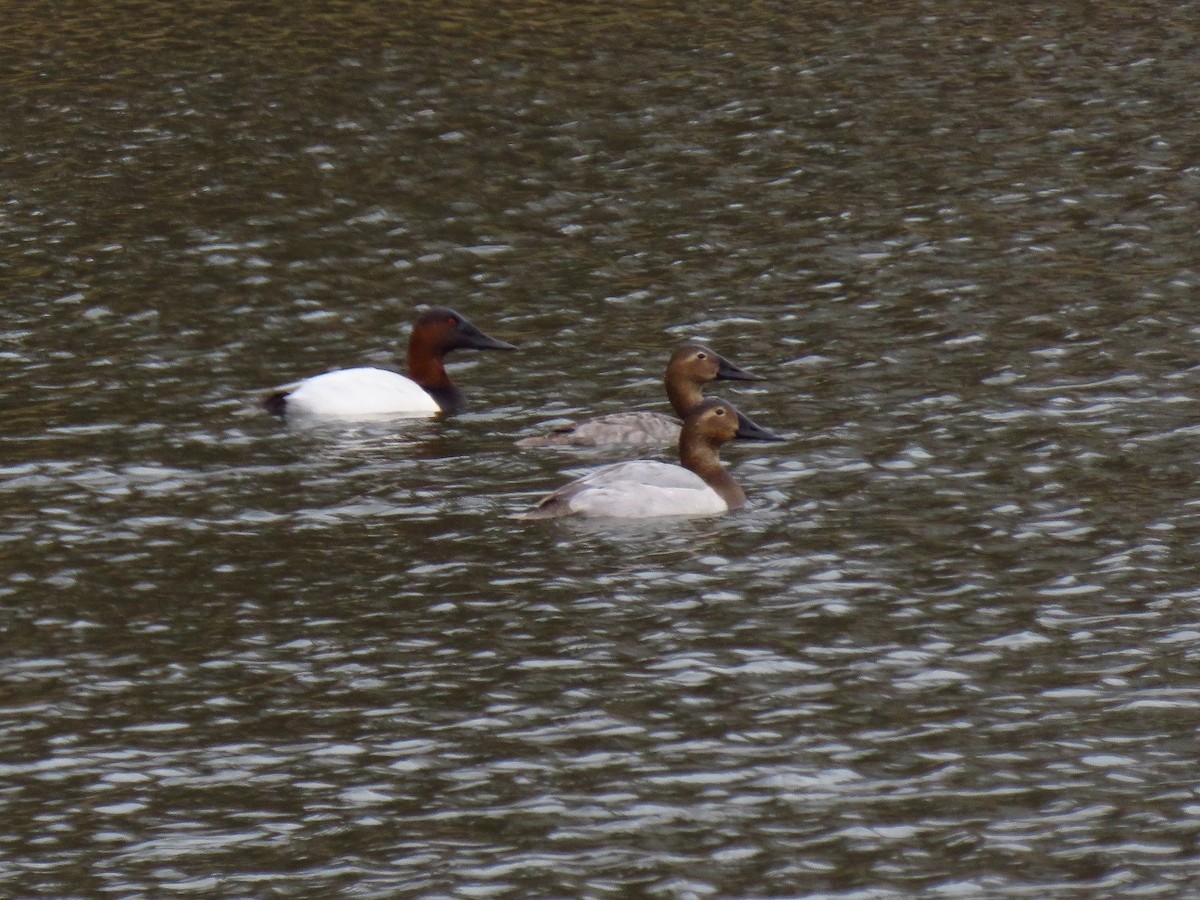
[951, 648]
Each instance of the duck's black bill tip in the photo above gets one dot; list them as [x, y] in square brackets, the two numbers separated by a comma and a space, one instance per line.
[471, 337]
[727, 371]
[493, 344]
[749, 431]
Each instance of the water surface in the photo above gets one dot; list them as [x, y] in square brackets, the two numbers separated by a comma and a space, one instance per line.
[950, 648]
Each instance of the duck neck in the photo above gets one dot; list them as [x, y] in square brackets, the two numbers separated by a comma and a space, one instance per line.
[702, 459]
[426, 366]
[450, 399]
[683, 394]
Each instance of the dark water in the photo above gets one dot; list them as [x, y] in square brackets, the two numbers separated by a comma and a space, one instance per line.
[951, 649]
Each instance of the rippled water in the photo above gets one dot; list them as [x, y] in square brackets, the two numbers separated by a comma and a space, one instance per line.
[949, 649]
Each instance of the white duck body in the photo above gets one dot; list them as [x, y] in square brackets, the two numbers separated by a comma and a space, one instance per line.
[643, 488]
[361, 392]
[368, 392]
[638, 489]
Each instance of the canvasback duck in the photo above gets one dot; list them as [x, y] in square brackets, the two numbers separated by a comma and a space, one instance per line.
[644, 488]
[691, 367]
[368, 391]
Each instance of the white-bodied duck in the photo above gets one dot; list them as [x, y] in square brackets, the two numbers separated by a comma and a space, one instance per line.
[642, 488]
[367, 392]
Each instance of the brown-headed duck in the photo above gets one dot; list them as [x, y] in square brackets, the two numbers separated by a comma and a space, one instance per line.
[643, 488]
[690, 368]
[367, 392]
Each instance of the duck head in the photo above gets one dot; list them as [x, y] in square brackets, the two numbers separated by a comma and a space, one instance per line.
[700, 364]
[718, 421]
[441, 329]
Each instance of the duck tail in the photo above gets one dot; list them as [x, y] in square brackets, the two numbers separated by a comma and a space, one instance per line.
[276, 403]
[553, 507]
[538, 440]
[562, 436]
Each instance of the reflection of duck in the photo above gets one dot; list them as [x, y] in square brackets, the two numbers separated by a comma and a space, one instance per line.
[644, 488]
[367, 391]
[691, 367]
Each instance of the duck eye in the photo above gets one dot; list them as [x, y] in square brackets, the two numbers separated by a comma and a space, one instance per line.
[718, 411]
[701, 356]
[452, 320]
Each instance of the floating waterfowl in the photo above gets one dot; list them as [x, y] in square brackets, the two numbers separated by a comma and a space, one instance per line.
[367, 392]
[645, 488]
